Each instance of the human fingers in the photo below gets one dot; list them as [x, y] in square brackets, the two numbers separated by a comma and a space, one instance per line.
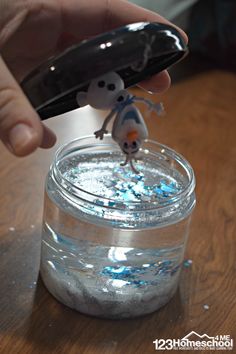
[157, 83]
[80, 18]
[109, 14]
[49, 138]
[20, 128]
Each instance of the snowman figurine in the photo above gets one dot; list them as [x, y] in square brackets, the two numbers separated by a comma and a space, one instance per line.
[129, 129]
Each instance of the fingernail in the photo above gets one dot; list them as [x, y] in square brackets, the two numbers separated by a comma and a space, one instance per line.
[20, 136]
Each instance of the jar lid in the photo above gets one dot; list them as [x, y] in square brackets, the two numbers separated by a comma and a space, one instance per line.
[136, 52]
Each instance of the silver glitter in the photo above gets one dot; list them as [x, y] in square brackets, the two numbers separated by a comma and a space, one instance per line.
[206, 307]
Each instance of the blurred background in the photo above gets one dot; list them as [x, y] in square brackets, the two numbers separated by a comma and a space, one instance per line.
[210, 25]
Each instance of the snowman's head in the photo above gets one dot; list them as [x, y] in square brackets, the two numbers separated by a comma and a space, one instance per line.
[103, 92]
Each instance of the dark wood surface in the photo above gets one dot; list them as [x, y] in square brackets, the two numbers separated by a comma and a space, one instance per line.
[201, 124]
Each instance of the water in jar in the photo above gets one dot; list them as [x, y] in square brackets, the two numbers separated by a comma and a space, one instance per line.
[104, 255]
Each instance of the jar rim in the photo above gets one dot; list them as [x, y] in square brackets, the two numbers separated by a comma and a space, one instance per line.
[67, 148]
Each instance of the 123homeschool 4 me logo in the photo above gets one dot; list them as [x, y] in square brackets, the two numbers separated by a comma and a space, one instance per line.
[195, 341]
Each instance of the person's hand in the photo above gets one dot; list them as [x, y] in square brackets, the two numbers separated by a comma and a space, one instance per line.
[31, 32]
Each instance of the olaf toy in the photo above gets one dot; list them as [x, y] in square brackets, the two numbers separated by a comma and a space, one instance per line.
[129, 129]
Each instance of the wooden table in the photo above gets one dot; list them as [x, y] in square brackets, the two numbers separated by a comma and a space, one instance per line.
[201, 124]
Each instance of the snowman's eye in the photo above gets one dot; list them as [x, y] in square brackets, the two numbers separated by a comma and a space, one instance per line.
[126, 145]
[134, 144]
[101, 83]
[120, 98]
[111, 87]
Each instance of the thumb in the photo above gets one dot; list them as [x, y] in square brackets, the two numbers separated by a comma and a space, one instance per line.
[20, 127]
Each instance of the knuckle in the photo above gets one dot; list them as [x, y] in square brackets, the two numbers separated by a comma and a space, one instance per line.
[8, 99]
[7, 95]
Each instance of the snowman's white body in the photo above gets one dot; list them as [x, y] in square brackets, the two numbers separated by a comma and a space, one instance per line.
[129, 119]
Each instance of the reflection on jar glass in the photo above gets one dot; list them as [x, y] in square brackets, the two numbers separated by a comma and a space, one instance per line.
[113, 241]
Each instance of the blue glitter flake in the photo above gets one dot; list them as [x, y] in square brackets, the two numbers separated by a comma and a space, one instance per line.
[135, 275]
[171, 188]
[135, 189]
[147, 188]
[128, 196]
[138, 177]
[165, 190]
[123, 190]
[118, 272]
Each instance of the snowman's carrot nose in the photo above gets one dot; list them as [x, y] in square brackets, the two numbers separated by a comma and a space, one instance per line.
[132, 135]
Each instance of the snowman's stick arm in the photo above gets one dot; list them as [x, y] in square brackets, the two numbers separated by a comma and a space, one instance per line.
[158, 107]
[108, 119]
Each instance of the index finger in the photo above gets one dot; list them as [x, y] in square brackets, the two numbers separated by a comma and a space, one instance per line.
[82, 19]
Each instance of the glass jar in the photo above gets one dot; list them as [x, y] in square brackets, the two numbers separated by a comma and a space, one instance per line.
[113, 241]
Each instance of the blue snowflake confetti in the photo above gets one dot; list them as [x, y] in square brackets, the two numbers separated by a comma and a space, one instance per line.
[136, 275]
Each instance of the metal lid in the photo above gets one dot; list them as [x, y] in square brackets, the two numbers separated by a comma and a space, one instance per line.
[136, 52]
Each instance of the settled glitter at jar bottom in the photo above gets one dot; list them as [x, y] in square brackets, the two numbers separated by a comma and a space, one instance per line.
[111, 282]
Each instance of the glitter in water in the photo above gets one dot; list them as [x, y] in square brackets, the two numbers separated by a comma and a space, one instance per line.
[102, 278]
[120, 277]
[99, 202]
[136, 276]
[118, 184]
[187, 263]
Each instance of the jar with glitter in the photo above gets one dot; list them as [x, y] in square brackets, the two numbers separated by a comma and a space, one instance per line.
[113, 241]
